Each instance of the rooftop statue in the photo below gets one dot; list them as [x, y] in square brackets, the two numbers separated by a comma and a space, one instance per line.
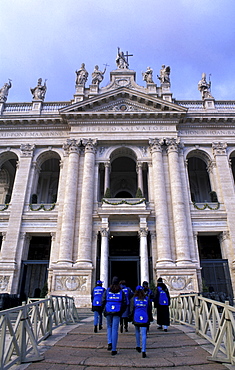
[82, 75]
[97, 76]
[122, 60]
[148, 75]
[164, 74]
[204, 87]
[39, 91]
[4, 91]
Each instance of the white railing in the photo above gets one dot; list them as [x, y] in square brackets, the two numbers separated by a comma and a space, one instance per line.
[213, 320]
[23, 328]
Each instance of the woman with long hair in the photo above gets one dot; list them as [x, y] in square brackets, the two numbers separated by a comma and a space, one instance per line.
[141, 316]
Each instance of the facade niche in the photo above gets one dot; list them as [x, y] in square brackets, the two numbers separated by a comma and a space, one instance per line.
[199, 181]
[48, 181]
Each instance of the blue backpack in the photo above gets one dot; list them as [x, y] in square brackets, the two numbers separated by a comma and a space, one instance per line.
[113, 301]
[141, 310]
[97, 296]
[163, 299]
[127, 293]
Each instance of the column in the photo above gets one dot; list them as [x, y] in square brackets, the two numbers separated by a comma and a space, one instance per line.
[72, 150]
[226, 184]
[104, 255]
[211, 169]
[87, 198]
[10, 246]
[139, 169]
[33, 181]
[160, 202]
[106, 176]
[144, 267]
[178, 206]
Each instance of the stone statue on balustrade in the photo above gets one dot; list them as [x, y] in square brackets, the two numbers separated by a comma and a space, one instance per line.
[204, 87]
[97, 75]
[39, 91]
[4, 91]
[121, 60]
[164, 75]
[82, 75]
[148, 75]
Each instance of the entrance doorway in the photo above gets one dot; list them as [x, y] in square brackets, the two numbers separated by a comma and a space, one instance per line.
[124, 261]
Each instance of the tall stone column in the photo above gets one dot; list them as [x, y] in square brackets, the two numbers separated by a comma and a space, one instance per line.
[87, 198]
[11, 259]
[226, 184]
[139, 169]
[70, 201]
[104, 256]
[144, 267]
[178, 206]
[160, 202]
[33, 181]
[211, 169]
[106, 176]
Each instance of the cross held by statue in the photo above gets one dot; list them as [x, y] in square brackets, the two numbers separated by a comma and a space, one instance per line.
[128, 55]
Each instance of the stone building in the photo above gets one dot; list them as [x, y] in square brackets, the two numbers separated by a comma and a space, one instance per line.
[122, 180]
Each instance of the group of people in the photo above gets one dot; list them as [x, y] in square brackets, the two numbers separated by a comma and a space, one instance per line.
[120, 305]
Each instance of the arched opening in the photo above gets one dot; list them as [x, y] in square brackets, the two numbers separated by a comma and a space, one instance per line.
[123, 178]
[232, 161]
[199, 181]
[7, 178]
[48, 180]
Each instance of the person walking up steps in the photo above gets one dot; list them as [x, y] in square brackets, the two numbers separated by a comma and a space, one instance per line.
[96, 301]
[114, 303]
[162, 303]
[129, 294]
[140, 308]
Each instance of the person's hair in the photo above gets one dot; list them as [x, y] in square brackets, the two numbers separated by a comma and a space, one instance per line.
[123, 282]
[114, 288]
[139, 294]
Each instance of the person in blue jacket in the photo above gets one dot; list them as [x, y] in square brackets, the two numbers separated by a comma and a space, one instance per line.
[96, 301]
[114, 304]
[140, 315]
[162, 303]
[129, 294]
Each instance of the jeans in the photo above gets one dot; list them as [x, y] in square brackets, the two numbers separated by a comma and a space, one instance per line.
[112, 330]
[143, 331]
[97, 318]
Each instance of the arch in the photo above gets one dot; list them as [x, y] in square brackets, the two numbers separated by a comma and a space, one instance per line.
[199, 180]
[8, 162]
[232, 163]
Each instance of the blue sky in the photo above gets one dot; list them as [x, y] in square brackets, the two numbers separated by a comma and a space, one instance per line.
[51, 38]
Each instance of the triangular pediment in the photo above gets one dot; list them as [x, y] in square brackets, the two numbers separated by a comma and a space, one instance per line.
[124, 101]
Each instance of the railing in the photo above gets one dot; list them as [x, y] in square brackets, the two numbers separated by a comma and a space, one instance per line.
[213, 320]
[23, 328]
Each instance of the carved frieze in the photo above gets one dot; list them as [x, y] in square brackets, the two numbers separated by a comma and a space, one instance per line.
[77, 283]
[4, 282]
[219, 148]
[179, 283]
[27, 149]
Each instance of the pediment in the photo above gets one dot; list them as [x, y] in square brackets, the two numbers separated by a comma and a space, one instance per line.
[124, 101]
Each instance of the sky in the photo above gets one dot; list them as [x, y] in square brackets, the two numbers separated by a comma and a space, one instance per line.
[49, 39]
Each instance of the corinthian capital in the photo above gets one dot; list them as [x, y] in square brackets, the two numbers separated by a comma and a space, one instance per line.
[104, 231]
[90, 145]
[219, 148]
[143, 232]
[27, 149]
[155, 145]
[173, 145]
[71, 146]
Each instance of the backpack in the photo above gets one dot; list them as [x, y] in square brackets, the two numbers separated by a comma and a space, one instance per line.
[113, 301]
[97, 296]
[163, 298]
[127, 293]
[141, 311]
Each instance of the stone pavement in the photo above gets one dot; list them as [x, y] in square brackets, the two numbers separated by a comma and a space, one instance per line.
[77, 347]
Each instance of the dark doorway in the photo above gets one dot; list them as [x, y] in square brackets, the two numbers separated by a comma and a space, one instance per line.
[124, 259]
[34, 270]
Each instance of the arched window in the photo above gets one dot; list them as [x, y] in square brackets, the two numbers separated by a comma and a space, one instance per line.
[199, 181]
[123, 178]
[7, 177]
[232, 161]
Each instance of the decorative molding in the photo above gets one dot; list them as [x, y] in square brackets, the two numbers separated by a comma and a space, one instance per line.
[219, 148]
[27, 150]
[71, 283]
[181, 282]
[4, 282]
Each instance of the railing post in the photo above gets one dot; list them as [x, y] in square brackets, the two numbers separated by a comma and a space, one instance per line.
[196, 314]
[229, 339]
[50, 313]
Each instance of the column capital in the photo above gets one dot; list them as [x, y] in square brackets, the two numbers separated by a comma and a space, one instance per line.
[143, 232]
[173, 145]
[72, 146]
[27, 150]
[224, 235]
[156, 145]
[104, 231]
[210, 166]
[90, 145]
[219, 148]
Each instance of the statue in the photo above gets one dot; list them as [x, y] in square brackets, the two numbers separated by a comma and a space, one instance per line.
[164, 74]
[204, 87]
[39, 91]
[121, 61]
[97, 76]
[82, 75]
[4, 91]
[148, 75]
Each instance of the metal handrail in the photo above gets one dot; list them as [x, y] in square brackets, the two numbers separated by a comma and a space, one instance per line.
[213, 320]
[23, 328]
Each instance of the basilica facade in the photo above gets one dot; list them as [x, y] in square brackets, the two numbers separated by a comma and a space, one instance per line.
[123, 180]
